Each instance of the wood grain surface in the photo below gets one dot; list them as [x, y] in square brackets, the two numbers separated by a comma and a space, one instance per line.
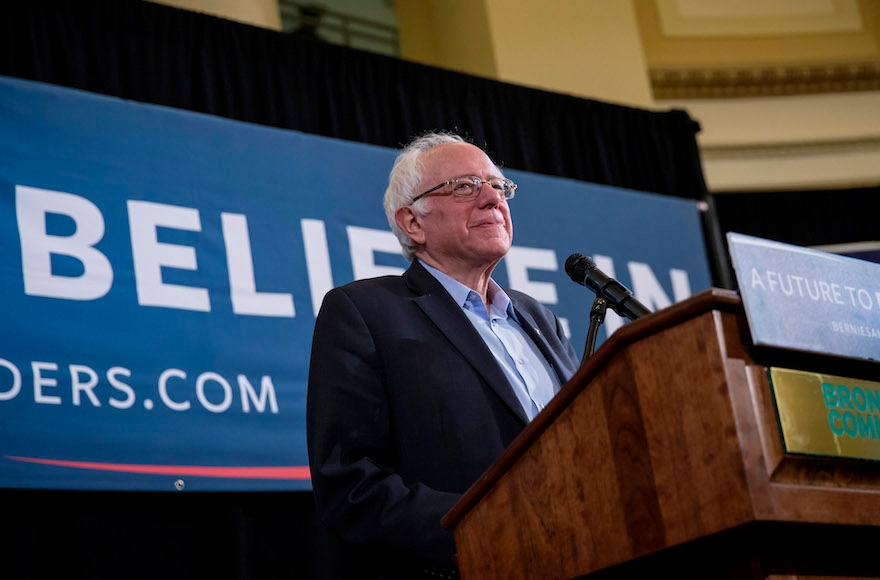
[663, 454]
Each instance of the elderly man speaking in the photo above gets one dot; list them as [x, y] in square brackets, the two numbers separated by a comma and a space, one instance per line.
[418, 382]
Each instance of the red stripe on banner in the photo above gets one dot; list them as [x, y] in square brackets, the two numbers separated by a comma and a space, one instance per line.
[280, 472]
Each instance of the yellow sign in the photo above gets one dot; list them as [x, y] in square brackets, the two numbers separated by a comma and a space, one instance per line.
[827, 415]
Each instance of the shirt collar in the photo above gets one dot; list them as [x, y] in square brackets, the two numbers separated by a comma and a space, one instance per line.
[459, 292]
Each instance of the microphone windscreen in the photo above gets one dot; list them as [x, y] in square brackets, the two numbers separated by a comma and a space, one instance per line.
[576, 267]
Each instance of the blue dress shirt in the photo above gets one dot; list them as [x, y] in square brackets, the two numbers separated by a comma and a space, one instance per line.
[533, 379]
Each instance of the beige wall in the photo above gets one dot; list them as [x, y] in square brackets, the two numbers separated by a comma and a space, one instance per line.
[588, 48]
[796, 142]
[451, 34]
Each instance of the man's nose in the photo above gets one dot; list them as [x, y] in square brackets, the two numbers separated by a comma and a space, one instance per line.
[489, 195]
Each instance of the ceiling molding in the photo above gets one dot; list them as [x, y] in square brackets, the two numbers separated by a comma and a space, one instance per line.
[789, 149]
[762, 81]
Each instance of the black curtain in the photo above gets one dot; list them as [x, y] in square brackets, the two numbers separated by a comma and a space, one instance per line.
[137, 535]
[804, 218]
[814, 217]
[157, 54]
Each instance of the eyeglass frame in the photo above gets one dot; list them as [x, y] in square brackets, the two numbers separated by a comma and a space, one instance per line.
[509, 194]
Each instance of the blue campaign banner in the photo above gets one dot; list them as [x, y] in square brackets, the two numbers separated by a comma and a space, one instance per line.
[161, 271]
[807, 300]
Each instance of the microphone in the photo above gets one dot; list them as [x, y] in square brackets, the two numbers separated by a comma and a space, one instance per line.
[583, 271]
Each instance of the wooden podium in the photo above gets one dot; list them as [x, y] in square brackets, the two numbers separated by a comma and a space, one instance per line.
[663, 458]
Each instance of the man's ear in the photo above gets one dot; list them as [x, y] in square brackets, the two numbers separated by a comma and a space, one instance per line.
[409, 222]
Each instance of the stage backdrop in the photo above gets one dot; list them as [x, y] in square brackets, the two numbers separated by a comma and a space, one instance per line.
[161, 271]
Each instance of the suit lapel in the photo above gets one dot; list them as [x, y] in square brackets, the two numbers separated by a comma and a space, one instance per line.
[439, 306]
[528, 324]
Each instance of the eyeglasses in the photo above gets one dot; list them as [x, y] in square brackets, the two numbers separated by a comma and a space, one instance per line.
[469, 186]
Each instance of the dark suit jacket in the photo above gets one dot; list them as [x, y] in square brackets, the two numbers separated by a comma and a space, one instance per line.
[407, 407]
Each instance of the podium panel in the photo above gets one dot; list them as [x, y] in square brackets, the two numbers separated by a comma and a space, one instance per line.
[663, 454]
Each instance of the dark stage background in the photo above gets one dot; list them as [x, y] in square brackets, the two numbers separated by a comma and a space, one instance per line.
[156, 54]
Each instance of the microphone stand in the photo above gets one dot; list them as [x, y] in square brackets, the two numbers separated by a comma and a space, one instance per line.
[597, 317]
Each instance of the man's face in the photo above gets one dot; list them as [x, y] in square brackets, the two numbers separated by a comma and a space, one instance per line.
[462, 233]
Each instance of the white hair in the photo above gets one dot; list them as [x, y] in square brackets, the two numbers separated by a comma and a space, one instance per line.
[403, 183]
